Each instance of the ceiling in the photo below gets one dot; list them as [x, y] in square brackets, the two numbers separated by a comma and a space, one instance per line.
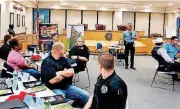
[107, 5]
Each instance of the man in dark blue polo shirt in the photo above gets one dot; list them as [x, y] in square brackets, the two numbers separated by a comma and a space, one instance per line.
[129, 36]
[110, 90]
[57, 75]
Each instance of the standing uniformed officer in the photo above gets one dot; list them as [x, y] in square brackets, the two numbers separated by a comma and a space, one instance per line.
[110, 90]
[128, 37]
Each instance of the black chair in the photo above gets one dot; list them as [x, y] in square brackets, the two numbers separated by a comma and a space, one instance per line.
[4, 73]
[99, 49]
[31, 47]
[83, 68]
[164, 69]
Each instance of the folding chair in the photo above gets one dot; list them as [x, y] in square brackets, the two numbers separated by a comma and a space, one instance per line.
[162, 69]
[76, 76]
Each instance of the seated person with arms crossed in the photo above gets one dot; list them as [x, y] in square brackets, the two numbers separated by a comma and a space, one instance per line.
[17, 61]
[171, 48]
[57, 75]
[6, 48]
[160, 54]
[110, 90]
[80, 52]
[55, 38]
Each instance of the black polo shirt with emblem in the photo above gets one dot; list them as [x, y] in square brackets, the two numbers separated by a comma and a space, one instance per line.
[48, 71]
[110, 93]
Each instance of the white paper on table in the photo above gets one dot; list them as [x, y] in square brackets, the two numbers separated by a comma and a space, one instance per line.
[28, 99]
[1, 64]
[9, 82]
[15, 83]
[20, 75]
[25, 76]
[39, 103]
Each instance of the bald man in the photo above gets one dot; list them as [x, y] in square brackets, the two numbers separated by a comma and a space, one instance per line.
[57, 75]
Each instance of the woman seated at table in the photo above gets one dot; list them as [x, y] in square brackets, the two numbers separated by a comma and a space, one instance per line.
[17, 61]
[80, 52]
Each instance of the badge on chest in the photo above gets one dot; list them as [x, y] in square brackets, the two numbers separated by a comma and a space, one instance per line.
[104, 89]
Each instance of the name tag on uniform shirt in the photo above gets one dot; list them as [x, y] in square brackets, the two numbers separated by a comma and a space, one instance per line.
[81, 48]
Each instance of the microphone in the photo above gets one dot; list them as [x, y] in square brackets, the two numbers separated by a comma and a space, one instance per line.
[130, 33]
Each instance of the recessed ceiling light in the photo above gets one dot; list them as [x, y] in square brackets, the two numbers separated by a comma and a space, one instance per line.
[103, 9]
[147, 10]
[62, 0]
[82, 8]
[170, 4]
[146, 6]
[151, 4]
[55, 7]
[122, 9]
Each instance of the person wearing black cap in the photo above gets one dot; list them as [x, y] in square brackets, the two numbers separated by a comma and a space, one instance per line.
[110, 90]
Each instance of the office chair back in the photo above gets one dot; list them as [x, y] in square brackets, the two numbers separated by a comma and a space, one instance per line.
[99, 46]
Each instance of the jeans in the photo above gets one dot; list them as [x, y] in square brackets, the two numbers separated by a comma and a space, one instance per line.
[33, 73]
[79, 96]
[129, 47]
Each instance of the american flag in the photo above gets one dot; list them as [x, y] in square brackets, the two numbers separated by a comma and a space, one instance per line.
[37, 24]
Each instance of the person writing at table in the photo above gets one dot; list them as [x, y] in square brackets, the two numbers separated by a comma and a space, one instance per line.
[57, 75]
[172, 48]
[17, 61]
[129, 36]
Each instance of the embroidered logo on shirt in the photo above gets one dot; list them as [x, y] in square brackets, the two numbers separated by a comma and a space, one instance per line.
[104, 89]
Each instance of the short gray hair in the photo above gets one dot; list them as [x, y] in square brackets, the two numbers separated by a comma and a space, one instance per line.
[58, 45]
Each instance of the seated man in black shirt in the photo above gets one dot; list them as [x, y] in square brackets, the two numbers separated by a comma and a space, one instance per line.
[110, 90]
[57, 75]
[6, 48]
[80, 52]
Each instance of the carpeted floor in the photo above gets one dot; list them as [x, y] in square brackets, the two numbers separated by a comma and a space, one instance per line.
[140, 93]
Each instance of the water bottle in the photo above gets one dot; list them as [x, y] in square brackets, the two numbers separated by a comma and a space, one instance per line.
[15, 81]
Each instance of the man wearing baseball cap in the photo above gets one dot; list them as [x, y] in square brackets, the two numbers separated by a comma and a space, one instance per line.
[161, 55]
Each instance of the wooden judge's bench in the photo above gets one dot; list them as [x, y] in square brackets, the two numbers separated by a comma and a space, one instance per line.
[92, 37]
[143, 45]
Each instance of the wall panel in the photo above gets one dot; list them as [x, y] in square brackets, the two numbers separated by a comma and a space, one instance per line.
[73, 17]
[58, 17]
[142, 22]
[90, 18]
[157, 20]
[106, 19]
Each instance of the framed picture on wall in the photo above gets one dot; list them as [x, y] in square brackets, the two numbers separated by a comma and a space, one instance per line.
[11, 20]
[18, 20]
[23, 20]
